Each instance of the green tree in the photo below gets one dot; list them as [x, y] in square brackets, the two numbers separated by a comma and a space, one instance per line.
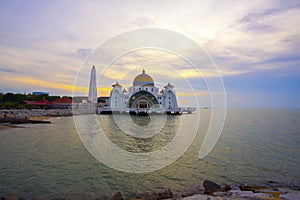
[8, 97]
[1, 97]
[10, 104]
[101, 100]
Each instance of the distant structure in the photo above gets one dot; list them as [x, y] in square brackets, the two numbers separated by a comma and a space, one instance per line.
[142, 98]
[40, 93]
[93, 87]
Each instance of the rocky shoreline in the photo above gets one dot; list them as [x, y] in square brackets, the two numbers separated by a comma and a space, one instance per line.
[26, 113]
[209, 191]
[214, 191]
[32, 116]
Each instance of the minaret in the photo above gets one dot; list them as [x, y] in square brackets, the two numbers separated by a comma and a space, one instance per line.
[93, 87]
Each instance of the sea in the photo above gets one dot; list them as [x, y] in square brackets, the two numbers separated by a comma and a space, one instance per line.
[256, 147]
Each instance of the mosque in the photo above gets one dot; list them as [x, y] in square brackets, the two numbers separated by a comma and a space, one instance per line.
[142, 98]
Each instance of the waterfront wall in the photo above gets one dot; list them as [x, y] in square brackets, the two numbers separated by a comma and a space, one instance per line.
[25, 113]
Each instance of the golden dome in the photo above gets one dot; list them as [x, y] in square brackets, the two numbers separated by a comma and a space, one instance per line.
[143, 79]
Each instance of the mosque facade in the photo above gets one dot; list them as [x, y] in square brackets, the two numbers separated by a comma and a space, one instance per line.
[143, 97]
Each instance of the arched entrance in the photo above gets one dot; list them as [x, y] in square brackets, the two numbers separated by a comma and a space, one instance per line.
[142, 103]
[142, 100]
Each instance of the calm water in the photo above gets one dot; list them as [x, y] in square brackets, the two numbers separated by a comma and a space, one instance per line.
[49, 160]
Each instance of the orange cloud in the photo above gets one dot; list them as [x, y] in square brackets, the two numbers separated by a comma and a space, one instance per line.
[67, 87]
[185, 94]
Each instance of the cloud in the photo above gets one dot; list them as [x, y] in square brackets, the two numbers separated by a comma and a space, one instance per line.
[185, 94]
[258, 36]
[24, 81]
[83, 53]
[7, 70]
[49, 43]
[143, 21]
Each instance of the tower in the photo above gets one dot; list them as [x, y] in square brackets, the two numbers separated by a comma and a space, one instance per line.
[93, 87]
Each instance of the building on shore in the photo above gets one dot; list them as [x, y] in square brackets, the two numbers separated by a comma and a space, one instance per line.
[40, 93]
[61, 103]
[43, 103]
[143, 97]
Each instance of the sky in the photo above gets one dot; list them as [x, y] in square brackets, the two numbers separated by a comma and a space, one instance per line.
[254, 45]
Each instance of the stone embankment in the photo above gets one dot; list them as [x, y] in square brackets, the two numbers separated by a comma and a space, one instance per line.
[33, 116]
[27, 113]
[213, 191]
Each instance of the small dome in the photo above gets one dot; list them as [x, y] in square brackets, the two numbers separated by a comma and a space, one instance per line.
[143, 79]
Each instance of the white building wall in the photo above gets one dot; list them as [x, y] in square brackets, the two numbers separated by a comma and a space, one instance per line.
[117, 99]
[170, 101]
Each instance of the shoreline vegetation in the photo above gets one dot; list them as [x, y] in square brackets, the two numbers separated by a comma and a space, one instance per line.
[209, 191]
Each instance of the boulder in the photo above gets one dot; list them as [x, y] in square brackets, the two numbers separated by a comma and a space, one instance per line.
[220, 194]
[209, 185]
[198, 197]
[235, 187]
[11, 197]
[290, 196]
[227, 188]
[271, 192]
[118, 196]
[167, 194]
[241, 194]
[262, 195]
[285, 190]
[252, 188]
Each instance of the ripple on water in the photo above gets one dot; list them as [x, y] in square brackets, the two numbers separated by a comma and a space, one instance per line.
[49, 160]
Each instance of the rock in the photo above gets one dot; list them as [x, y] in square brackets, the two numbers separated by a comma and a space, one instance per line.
[198, 197]
[290, 196]
[262, 195]
[273, 193]
[294, 187]
[252, 188]
[118, 196]
[285, 190]
[165, 194]
[241, 194]
[227, 188]
[11, 197]
[235, 187]
[222, 194]
[272, 182]
[210, 186]
[190, 192]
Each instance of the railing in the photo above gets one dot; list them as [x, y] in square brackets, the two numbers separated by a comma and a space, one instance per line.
[187, 109]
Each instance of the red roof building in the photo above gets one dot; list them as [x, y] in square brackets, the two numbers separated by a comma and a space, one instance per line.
[64, 100]
[42, 102]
